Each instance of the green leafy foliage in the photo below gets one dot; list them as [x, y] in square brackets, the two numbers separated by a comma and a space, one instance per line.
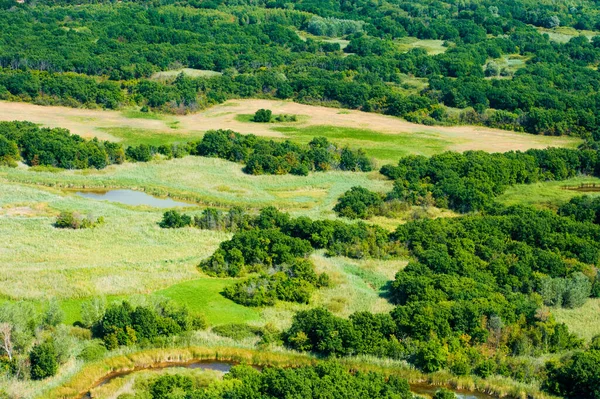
[43, 360]
[75, 221]
[470, 181]
[269, 157]
[263, 116]
[123, 325]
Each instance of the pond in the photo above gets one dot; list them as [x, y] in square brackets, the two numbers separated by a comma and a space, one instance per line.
[224, 367]
[132, 197]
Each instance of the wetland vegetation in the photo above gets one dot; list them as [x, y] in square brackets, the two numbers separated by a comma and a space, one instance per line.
[189, 182]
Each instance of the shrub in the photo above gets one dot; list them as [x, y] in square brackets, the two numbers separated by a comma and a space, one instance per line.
[173, 220]
[263, 116]
[74, 220]
[43, 359]
[358, 203]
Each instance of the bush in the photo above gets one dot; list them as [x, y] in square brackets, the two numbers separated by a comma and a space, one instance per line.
[263, 116]
[578, 377]
[74, 220]
[358, 203]
[43, 359]
[173, 220]
[93, 351]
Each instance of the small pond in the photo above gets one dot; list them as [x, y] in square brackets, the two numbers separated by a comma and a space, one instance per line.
[132, 197]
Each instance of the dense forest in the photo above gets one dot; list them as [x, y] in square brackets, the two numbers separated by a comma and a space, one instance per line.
[104, 55]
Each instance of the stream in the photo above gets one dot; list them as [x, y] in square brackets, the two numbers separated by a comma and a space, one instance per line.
[420, 389]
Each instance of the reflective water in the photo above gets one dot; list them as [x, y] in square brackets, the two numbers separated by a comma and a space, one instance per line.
[132, 197]
[419, 389]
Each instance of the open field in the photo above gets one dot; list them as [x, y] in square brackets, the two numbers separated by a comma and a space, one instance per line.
[583, 321]
[130, 253]
[563, 34]
[548, 194]
[213, 181]
[432, 47]
[191, 72]
[135, 127]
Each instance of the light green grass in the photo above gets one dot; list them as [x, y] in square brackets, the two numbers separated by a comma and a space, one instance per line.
[583, 321]
[137, 114]
[563, 34]
[133, 136]
[128, 254]
[194, 73]
[215, 182]
[547, 194]
[357, 285]
[201, 295]
[204, 296]
[384, 147]
[431, 46]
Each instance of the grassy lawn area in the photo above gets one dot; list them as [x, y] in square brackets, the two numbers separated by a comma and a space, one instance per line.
[128, 254]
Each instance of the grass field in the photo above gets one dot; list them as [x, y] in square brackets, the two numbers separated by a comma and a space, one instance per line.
[386, 148]
[130, 253]
[431, 46]
[194, 73]
[214, 182]
[547, 194]
[583, 321]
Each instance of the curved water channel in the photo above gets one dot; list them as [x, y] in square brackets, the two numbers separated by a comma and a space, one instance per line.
[223, 366]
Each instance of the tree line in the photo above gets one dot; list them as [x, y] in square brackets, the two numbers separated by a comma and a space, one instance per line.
[468, 181]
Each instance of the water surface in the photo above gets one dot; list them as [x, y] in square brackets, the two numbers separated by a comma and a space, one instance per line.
[132, 197]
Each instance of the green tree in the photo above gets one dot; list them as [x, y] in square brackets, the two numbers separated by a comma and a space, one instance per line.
[43, 359]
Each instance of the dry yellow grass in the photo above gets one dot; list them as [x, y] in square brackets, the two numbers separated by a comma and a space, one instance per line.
[89, 123]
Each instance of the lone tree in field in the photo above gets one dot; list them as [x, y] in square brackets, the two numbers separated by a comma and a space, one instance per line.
[263, 116]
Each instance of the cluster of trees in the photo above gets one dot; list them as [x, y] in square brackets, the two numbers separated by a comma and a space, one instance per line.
[32, 341]
[75, 221]
[468, 181]
[54, 147]
[576, 376]
[321, 380]
[284, 272]
[263, 156]
[582, 209]
[356, 240]
[431, 348]
[123, 325]
[476, 283]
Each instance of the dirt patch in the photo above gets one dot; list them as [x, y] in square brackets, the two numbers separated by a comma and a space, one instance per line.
[40, 209]
[89, 123]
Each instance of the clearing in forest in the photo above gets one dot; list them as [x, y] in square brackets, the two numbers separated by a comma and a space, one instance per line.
[394, 136]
